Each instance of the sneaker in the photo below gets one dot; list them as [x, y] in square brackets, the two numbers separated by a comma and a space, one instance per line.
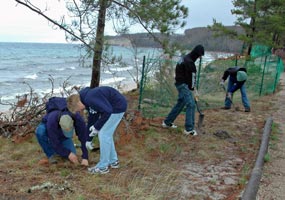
[193, 132]
[89, 146]
[115, 165]
[247, 110]
[164, 125]
[96, 170]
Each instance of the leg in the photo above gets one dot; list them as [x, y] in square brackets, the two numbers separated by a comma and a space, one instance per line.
[228, 102]
[244, 98]
[108, 152]
[190, 110]
[176, 110]
[43, 140]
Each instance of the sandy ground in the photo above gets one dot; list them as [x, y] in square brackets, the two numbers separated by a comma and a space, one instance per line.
[272, 185]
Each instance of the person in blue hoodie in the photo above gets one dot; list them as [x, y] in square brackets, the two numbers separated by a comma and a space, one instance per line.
[106, 107]
[185, 83]
[237, 77]
[55, 134]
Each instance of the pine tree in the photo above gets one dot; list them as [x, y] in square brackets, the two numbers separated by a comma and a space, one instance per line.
[90, 16]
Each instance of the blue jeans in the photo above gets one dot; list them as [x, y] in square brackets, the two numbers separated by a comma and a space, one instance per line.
[244, 98]
[108, 154]
[42, 137]
[185, 98]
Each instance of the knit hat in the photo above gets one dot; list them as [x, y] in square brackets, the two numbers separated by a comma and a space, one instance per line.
[66, 124]
[241, 76]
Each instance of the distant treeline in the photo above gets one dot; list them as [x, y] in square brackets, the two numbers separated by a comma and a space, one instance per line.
[189, 39]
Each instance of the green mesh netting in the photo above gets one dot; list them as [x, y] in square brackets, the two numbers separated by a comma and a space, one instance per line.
[158, 93]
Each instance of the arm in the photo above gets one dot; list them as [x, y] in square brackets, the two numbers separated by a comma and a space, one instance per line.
[82, 134]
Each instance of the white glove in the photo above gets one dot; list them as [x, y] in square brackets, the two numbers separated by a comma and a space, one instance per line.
[222, 83]
[229, 95]
[93, 131]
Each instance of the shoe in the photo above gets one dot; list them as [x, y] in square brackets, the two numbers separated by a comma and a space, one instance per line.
[225, 108]
[96, 170]
[193, 132]
[164, 125]
[52, 159]
[247, 110]
[89, 146]
[115, 165]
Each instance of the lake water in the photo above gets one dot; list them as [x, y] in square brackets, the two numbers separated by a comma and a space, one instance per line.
[35, 63]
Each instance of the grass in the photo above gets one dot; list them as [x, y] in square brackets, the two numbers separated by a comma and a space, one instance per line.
[156, 163]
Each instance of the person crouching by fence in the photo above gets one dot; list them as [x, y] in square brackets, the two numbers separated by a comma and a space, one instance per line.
[56, 131]
[237, 78]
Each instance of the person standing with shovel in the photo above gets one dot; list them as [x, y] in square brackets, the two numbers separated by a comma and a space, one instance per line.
[237, 78]
[185, 83]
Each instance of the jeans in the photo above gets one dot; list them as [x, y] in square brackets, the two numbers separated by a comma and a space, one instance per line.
[42, 137]
[185, 98]
[108, 154]
[244, 98]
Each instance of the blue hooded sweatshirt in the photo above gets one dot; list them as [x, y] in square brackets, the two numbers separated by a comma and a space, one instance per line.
[56, 135]
[101, 102]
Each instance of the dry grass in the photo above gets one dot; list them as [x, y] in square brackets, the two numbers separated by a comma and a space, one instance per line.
[156, 163]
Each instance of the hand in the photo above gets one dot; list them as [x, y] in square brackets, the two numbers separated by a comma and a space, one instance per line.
[222, 83]
[93, 131]
[84, 162]
[196, 94]
[229, 95]
[73, 158]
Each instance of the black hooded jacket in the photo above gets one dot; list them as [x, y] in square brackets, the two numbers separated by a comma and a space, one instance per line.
[185, 71]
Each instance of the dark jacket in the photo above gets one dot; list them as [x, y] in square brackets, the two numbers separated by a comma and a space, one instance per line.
[185, 71]
[232, 73]
[101, 102]
[56, 136]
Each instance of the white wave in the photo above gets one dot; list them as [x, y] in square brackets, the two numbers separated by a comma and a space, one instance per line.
[33, 76]
[110, 81]
[63, 68]
[121, 69]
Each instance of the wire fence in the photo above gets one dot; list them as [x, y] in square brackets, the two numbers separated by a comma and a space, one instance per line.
[158, 93]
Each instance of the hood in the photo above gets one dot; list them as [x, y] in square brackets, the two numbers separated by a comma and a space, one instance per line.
[82, 93]
[196, 52]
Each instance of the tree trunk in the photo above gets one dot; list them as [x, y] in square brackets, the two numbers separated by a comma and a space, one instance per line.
[99, 45]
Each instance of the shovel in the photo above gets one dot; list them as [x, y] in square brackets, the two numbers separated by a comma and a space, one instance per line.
[201, 115]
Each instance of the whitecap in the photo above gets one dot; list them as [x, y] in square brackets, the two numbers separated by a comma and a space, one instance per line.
[111, 80]
[33, 76]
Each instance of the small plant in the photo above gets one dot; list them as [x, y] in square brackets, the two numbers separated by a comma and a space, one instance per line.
[267, 157]
[244, 175]
[64, 172]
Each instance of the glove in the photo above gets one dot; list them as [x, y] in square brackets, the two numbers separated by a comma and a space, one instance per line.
[93, 131]
[222, 83]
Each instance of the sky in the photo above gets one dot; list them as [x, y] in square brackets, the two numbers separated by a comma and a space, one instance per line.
[20, 24]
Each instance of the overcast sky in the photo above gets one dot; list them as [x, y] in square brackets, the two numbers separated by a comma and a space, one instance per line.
[20, 24]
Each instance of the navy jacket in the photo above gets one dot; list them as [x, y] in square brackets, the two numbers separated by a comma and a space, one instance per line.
[185, 71]
[56, 136]
[232, 73]
[101, 102]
